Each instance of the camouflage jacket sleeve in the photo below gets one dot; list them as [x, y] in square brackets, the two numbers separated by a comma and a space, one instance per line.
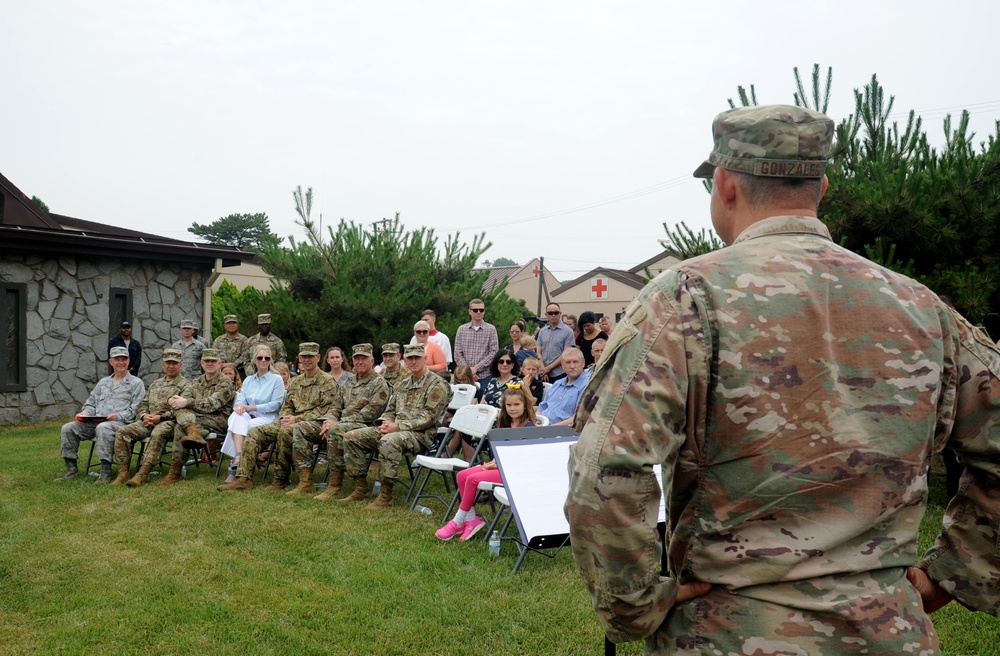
[965, 559]
[213, 398]
[427, 410]
[181, 386]
[635, 413]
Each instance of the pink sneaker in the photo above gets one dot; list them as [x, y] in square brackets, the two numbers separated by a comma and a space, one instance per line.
[471, 527]
[449, 530]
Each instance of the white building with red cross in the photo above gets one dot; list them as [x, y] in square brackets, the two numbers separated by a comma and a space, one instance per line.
[606, 291]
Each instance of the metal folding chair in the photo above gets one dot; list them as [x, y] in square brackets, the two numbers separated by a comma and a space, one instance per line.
[472, 420]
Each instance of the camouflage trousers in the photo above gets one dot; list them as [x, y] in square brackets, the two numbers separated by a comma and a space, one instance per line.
[261, 437]
[305, 437]
[137, 431]
[391, 449]
[334, 446]
[205, 423]
[103, 434]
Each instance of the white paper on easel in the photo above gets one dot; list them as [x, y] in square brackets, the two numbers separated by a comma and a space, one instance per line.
[537, 482]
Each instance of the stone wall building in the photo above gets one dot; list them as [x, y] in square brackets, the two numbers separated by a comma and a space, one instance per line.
[65, 286]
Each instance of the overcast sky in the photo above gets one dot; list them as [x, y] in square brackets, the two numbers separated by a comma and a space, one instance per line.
[471, 116]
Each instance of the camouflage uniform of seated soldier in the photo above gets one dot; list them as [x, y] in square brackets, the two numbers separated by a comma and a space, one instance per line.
[394, 374]
[207, 411]
[407, 427]
[156, 420]
[365, 398]
[310, 396]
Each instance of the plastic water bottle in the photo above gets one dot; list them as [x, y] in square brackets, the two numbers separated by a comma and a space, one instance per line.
[184, 471]
[376, 488]
[424, 510]
[495, 544]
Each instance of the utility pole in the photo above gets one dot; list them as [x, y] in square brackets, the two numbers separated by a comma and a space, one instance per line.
[541, 281]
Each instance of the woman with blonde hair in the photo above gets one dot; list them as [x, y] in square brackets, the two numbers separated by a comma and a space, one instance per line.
[257, 403]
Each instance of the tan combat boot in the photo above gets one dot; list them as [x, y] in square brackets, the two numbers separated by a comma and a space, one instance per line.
[384, 498]
[277, 485]
[140, 476]
[122, 475]
[174, 476]
[193, 438]
[361, 490]
[241, 483]
[305, 485]
[333, 488]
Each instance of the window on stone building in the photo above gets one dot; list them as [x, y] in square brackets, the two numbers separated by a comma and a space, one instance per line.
[13, 323]
[120, 309]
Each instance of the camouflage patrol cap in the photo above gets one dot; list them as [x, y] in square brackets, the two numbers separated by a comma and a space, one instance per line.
[231, 318]
[361, 349]
[118, 352]
[391, 347]
[187, 323]
[263, 318]
[210, 354]
[308, 348]
[172, 355]
[413, 351]
[778, 141]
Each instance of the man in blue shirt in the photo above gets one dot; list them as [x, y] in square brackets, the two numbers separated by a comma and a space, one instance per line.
[553, 339]
[560, 400]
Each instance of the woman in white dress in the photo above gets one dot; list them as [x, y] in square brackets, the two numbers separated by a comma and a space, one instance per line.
[257, 403]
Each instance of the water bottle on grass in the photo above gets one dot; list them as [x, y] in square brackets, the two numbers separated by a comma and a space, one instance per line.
[495, 544]
[424, 510]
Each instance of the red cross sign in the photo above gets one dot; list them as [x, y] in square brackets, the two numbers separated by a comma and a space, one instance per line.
[536, 271]
[598, 288]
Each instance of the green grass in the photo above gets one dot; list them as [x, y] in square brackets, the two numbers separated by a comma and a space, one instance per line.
[88, 569]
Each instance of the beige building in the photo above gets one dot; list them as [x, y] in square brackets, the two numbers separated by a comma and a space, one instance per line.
[608, 292]
[246, 274]
[528, 282]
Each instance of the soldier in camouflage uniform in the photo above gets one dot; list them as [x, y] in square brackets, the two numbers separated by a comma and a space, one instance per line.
[392, 372]
[155, 420]
[206, 411]
[191, 349]
[406, 427]
[310, 396]
[794, 394]
[231, 344]
[265, 336]
[365, 398]
[115, 398]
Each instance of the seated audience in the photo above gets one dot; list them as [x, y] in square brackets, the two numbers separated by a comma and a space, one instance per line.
[407, 427]
[561, 400]
[597, 350]
[335, 364]
[229, 371]
[364, 398]
[529, 378]
[310, 396]
[393, 374]
[589, 332]
[114, 401]
[204, 411]
[464, 375]
[155, 420]
[517, 412]
[503, 372]
[257, 404]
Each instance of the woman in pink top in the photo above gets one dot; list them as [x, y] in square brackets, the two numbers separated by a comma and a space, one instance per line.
[433, 354]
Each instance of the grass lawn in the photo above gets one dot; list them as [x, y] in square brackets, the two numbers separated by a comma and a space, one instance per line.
[87, 569]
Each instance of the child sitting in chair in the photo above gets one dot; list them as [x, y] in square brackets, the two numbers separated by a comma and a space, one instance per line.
[517, 411]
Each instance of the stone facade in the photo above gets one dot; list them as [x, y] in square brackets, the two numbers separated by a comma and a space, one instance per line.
[67, 323]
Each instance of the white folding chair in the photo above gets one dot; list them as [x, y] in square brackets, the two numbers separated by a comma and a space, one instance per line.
[462, 394]
[472, 420]
[542, 420]
[545, 389]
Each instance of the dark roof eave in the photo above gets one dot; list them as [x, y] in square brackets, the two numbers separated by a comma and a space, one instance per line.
[49, 241]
